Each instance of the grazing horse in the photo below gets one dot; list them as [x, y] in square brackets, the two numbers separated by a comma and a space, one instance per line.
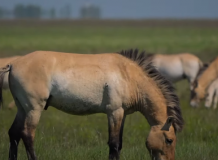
[177, 67]
[4, 62]
[212, 95]
[203, 81]
[116, 84]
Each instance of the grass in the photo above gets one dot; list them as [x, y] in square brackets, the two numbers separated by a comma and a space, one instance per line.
[63, 136]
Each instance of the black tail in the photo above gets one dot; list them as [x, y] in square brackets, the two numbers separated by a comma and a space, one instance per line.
[2, 75]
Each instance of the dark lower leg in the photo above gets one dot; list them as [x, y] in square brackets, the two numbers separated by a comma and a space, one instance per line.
[115, 135]
[121, 135]
[113, 147]
[28, 139]
[15, 135]
[14, 141]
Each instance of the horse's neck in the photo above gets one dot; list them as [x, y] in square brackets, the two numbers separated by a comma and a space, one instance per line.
[210, 75]
[155, 110]
[150, 100]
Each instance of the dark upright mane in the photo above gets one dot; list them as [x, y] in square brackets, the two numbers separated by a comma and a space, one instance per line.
[201, 71]
[167, 89]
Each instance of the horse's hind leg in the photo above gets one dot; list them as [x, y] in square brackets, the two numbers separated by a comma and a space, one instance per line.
[27, 121]
[15, 133]
[115, 121]
[28, 133]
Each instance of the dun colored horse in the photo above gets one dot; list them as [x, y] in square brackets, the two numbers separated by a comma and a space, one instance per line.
[177, 66]
[203, 81]
[212, 97]
[116, 84]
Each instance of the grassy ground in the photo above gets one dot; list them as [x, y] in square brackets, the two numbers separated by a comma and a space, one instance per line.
[63, 136]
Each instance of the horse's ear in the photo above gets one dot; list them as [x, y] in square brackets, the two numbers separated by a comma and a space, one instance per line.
[168, 123]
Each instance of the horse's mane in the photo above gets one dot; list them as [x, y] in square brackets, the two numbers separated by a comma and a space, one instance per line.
[149, 57]
[166, 87]
[201, 71]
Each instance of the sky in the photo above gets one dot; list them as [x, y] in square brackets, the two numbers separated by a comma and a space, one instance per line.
[133, 9]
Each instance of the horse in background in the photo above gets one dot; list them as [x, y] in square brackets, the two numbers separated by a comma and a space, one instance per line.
[212, 95]
[202, 82]
[116, 84]
[176, 67]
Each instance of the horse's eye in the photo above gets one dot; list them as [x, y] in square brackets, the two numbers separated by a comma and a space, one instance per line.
[169, 141]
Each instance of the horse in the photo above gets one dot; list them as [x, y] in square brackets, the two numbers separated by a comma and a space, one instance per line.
[204, 79]
[4, 62]
[212, 95]
[178, 66]
[116, 84]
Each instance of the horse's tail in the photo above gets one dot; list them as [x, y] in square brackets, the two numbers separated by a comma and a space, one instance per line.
[2, 74]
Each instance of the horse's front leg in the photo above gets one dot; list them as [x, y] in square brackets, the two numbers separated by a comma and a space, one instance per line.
[215, 100]
[121, 135]
[115, 121]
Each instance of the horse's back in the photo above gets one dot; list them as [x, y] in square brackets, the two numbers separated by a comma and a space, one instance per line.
[188, 57]
[6, 60]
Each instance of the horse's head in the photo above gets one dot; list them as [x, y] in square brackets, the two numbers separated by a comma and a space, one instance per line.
[161, 141]
[198, 93]
[200, 72]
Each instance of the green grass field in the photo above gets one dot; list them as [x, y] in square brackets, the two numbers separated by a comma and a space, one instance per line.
[63, 136]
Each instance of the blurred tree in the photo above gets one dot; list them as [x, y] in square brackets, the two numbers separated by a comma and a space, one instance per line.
[90, 12]
[52, 13]
[19, 11]
[66, 11]
[1, 12]
[29, 11]
[33, 11]
[5, 13]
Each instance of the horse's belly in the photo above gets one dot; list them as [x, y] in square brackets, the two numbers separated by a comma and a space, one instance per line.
[76, 106]
[172, 73]
[77, 93]
[77, 99]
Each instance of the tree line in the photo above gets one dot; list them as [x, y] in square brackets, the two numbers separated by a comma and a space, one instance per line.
[35, 11]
